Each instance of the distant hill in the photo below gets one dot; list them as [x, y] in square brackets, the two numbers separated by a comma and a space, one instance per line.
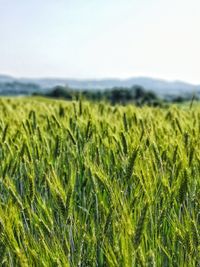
[160, 87]
[6, 78]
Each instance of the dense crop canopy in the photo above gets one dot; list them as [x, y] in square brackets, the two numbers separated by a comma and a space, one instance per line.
[84, 184]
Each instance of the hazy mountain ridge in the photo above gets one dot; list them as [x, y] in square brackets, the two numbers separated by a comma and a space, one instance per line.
[159, 86]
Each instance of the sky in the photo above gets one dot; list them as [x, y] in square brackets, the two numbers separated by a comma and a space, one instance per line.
[100, 38]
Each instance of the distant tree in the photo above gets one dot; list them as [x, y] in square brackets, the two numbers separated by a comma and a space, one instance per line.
[178, 99]
[120, 95]
[149, 96]
[60, 92]
[139, 92]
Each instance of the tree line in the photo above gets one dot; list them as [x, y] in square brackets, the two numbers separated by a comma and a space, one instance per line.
[116, 95]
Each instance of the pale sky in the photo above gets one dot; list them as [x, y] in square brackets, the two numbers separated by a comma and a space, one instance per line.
[100, 38]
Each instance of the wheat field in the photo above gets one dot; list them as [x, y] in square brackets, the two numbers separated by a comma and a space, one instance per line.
[90, 184]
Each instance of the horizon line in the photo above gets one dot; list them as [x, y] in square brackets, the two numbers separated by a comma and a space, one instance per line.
[98, 78]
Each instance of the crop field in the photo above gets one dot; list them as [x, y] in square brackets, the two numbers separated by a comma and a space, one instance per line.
[90, 184]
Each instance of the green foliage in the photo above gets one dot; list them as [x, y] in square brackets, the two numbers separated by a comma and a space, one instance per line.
[90, 184]
[116, 95]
